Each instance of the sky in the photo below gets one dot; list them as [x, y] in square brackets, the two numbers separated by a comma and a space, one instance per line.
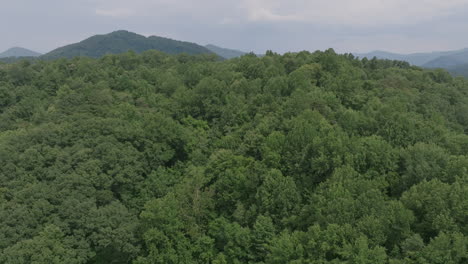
[401, 26]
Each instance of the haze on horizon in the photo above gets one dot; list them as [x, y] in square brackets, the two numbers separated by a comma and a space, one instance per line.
[251, 25]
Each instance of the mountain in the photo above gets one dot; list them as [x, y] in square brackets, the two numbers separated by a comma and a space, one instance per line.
[122, 41]
[9, 60]
[459, 70]
[19, 52]
[380, 55]
[418, 59]
[225, 53]
[449, 60]
[455, 62]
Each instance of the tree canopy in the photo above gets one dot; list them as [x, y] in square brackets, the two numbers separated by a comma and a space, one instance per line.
[295, 158]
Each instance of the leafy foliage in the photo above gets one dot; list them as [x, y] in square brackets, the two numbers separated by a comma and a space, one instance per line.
[295, 158]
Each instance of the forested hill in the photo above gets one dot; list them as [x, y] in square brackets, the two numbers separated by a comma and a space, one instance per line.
[449, 60]
[17, 52]
[459, 70]
[428, 59]
[225, 53]
[454, 61]
[122, 41]
[299, 158]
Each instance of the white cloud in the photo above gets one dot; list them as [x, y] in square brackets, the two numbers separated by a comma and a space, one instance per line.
[159, 7]
[399, 25]
[331, 12]
[351, 12]
[116, 12]
[263, 14]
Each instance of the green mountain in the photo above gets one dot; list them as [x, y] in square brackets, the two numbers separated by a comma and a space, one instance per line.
[296, 158]
[16, 59]
[225, 53]
[380, 55]
[18, 52]
[418, 59]
[123, 41]
[459, 70]
[449, 61]
[455, 62]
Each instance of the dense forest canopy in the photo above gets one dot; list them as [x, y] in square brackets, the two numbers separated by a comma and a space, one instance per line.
[295, 158]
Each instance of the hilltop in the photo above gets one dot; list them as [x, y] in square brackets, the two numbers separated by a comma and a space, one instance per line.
[19, 52]
[122, 41]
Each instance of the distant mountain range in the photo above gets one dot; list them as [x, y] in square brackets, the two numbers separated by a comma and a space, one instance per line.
[418, 59]
[449, 60]
[455, 61]
[119, 42]
[19, 52]
[225, 53]
[459, 70]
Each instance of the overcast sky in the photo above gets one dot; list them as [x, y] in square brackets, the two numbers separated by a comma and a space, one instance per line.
[403, 26]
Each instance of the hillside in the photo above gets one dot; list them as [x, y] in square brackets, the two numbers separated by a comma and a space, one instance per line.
[381, 55]
[123, 41]
[459, 70]
[449, 61]
[17, 59]
[19, 52]
[418, 59]
[295, 158]
[225, 53]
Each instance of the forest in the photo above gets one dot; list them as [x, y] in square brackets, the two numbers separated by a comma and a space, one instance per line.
[121, 41]
[301, 158]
